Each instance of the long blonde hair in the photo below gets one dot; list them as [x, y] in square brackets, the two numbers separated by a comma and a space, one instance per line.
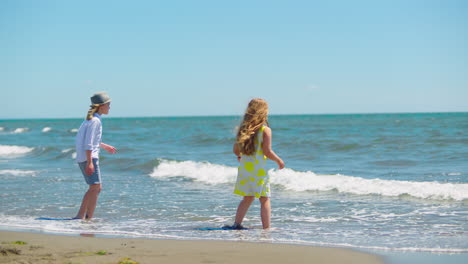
[255, 117]
[93, 109]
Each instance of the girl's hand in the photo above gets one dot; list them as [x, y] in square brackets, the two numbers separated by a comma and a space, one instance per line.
[89, 168]
[280, 164]
[109, 148]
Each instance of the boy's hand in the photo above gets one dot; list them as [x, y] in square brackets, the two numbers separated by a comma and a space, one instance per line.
[89, 170]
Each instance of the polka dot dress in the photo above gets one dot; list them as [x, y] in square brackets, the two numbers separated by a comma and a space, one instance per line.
[252, 178]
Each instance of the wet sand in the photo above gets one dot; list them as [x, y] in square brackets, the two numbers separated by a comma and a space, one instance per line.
[23, 247]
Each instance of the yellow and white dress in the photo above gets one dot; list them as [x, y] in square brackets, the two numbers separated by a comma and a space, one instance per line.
[252, 177]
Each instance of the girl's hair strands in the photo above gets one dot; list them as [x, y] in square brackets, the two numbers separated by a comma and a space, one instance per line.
[93, 109]
[255, 117]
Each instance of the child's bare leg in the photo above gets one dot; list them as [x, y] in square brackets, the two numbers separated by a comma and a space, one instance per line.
[89, 199]
[93, 191]
[243, 208]
[265, 211]
[84, 204]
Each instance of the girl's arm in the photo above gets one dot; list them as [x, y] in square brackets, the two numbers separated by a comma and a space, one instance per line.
[236, 151]
[108, 148]
[267, 151]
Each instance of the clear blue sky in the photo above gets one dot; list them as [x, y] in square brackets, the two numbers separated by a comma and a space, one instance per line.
[173, 58]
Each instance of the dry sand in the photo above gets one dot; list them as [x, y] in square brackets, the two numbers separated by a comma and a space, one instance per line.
[45, 248]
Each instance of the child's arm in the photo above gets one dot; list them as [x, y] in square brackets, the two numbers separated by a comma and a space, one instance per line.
[236, 151]
[89, 163]
[267, 151]
[108, 148]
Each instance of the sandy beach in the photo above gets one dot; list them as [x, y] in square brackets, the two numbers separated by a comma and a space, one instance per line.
[22, 247]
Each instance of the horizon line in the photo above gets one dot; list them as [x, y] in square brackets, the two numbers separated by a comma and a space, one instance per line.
[235, 115]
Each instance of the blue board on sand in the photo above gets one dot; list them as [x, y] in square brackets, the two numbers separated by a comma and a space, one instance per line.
[56, 219]
[219, 228]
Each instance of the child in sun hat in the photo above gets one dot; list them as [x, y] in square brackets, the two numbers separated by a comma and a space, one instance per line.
[88, 144]
[252, 148]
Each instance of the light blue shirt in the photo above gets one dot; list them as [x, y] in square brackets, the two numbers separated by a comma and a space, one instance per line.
[89, 138]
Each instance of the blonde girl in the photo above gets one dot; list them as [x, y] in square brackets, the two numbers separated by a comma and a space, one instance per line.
[252, 148]
[88, 144]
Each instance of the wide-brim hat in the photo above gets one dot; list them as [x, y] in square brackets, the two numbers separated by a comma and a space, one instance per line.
[100, 98]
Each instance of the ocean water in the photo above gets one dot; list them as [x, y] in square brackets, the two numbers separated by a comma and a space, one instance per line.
[376, 182]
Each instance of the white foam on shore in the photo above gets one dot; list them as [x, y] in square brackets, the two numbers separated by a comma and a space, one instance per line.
[308, 181]
[139, 228]
[13, 151]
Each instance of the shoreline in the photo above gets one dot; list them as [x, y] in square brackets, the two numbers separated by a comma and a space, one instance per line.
[28, 247]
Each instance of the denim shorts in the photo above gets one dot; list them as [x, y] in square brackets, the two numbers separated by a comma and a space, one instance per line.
[95, 178]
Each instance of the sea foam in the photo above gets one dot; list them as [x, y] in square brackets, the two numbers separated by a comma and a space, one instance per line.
[20, 130]
[18, 172]
[308, 181]
[9, 151]
[200, 171]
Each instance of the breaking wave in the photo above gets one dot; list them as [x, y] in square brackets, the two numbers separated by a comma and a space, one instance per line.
[13, 151]
[308, 181]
